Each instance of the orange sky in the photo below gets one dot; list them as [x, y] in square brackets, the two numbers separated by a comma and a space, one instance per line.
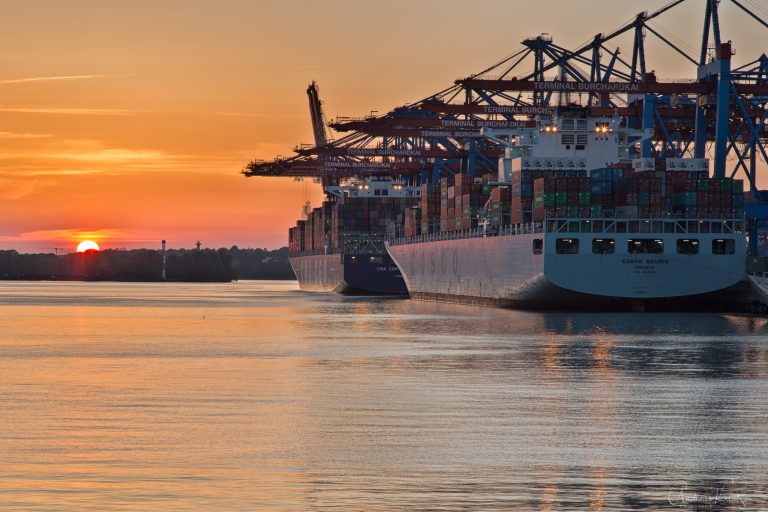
[128, 122]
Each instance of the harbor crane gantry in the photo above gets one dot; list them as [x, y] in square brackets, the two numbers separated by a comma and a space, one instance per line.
[722, 112]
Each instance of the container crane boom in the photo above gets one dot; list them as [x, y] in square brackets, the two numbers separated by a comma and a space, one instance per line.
[316, 111]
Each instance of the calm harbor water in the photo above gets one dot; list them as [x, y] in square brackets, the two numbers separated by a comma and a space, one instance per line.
[256, 396]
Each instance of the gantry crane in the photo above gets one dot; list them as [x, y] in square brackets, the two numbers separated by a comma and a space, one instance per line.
[723, 111]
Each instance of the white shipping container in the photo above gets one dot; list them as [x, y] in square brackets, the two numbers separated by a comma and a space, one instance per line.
[701, 164]
[505, 169]
[644, 164]
[673, 164]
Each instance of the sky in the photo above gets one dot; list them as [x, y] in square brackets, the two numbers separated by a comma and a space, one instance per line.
[129, 122]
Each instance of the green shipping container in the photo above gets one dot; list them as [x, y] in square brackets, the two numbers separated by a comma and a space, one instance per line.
[596, 211]
[686, 198]
[584, 198]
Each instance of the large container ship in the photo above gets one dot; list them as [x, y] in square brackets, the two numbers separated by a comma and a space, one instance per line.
[339, 248]
[594, 202]
[572, 222]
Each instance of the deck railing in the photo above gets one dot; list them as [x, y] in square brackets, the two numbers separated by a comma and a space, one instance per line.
[587, 225]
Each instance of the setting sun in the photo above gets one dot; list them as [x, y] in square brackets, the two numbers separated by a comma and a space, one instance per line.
[87, 245]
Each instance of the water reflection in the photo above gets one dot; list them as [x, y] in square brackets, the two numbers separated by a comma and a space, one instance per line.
[257, 396]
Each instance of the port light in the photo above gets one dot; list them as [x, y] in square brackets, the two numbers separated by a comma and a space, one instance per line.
[549, 128]
[602, 128]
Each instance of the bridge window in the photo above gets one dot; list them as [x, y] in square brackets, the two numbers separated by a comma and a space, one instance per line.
[724, 246]
[687, 246]
[645, 246]
[538, 246]
[603, 246]
[567, 246]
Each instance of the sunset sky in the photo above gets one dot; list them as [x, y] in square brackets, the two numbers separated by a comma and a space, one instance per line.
[128, 122]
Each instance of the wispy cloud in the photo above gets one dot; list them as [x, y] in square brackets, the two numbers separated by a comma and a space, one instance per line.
[78, 111]
[68, 110]
[13, 189]
[114, 155]
[88, 151]
[60, 158]
[222, 113]
[52, 79]
[14, 135]
[72, 234]
[50, 172]
[299, 67]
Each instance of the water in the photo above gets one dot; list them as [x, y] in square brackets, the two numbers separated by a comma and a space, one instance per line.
[256, 396]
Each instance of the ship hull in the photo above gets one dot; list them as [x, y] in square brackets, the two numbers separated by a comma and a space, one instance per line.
[361, 274]
[505, 271]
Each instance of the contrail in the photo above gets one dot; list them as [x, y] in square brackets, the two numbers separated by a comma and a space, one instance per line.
[51, 79]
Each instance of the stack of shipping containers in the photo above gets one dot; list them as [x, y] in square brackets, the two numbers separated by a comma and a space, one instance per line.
[457, 203]
[623, 193]
[430, 207]
[619, 191]
[325, 227]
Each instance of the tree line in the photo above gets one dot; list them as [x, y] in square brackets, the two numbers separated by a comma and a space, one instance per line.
[197, 265]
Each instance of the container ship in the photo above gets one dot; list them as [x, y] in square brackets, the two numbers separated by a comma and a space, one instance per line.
[561, 178]
[339, 248]
[572, 222]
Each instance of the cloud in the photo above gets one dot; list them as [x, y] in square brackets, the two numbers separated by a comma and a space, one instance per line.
[64, 157]
[12, 189]
[28, 162]
[72, 234]
[67, 111]
[13, 135]
[76, 111]
[114, 155]
[52, 79]
[299, 67]
[51, 172]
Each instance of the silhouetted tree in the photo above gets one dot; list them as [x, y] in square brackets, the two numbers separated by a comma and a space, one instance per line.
[220, 265]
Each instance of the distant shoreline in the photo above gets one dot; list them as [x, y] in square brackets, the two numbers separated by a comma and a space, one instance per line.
[149, 266]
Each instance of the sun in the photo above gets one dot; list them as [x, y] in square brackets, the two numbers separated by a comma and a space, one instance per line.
[87, 245]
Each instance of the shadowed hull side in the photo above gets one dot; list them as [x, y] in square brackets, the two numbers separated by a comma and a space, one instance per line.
[348, 274]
